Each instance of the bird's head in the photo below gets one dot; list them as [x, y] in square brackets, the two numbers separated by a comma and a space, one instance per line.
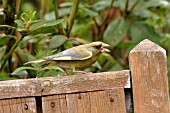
[98, 47]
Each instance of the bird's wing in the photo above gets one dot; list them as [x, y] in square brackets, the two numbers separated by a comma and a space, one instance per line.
[71, 54]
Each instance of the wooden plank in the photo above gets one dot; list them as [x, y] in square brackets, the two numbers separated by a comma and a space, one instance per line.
[110, 101]
[72, 106]
[93, 102]
[117, 98]
[1, 107]
[30, 105]
[46, 104]
[5, 106]
[51, 104]
[54, 104]
[63, 84]
[19, 105]
[19, 88]
[149, 78]
[83, 101]
[13, 105]
[63, 103]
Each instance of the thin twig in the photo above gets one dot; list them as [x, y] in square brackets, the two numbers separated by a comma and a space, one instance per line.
[42, 9]
[134, 5]
[105, 20]
[125, 13]
[18, 8]
[60, 27]
[108, 11]
[72, 16]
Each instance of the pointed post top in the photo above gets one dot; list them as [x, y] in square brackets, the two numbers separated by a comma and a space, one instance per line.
[147, 46]
[148, 66]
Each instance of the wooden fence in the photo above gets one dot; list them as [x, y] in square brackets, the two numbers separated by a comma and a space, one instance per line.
[95, 92]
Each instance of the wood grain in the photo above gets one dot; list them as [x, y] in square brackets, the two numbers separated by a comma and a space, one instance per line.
[51, 104]
[149, 78]
[63, 84]
[18, 105]
[108, 101]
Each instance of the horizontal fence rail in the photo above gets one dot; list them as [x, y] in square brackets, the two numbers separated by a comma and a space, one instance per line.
[63, 84]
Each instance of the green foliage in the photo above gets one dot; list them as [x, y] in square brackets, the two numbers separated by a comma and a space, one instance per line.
[139, 31]
[5, 38]
[115, 32]
[45, 26]
[120, 23]
[57, 40]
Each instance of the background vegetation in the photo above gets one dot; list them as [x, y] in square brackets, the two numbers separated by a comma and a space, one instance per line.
[34, 29]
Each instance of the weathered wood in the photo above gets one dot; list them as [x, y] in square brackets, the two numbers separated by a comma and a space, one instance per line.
[71, 108]
[149, 78]
[108, 101]
[63, 84]
[51, 104]
[63, 103]
[5, 106]
[29, 105]
[1, 107]
[83, 100]
[18, 105]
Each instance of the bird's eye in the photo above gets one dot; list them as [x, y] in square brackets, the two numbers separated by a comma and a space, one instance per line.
[98, 47]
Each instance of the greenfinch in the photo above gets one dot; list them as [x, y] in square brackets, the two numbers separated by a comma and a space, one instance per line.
[75, 58]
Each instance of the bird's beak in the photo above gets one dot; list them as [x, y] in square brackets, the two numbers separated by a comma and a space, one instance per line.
[104, 49]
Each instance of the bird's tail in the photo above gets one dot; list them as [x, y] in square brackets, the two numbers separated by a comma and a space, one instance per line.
[34, 62]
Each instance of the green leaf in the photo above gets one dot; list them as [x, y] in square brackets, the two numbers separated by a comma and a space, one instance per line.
[52, 68]
[20, 23]
[102, 5]
[66, 4]
[139, 31]
[46, 26]
[23, 68]
[33, 15]
[115, 32]
[4, 39]
[62, 12]
[89, 12]
[97, 65]
[108, 57]
[8, 26]
[156, 3]
[2, 52]
[57, 41]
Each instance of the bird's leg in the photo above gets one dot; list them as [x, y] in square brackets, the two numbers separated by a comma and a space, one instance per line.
[66, 71]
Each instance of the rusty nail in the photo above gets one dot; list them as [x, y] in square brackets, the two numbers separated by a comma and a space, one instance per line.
[52, 104]
[111, 99]
[25, 106]
[79, 97]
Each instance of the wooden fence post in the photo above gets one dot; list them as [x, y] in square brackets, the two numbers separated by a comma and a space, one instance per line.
[148, 67]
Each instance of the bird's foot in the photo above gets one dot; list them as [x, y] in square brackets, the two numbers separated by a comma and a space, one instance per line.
[80, 72]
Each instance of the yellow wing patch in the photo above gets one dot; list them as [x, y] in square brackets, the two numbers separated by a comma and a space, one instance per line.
[62, 58]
